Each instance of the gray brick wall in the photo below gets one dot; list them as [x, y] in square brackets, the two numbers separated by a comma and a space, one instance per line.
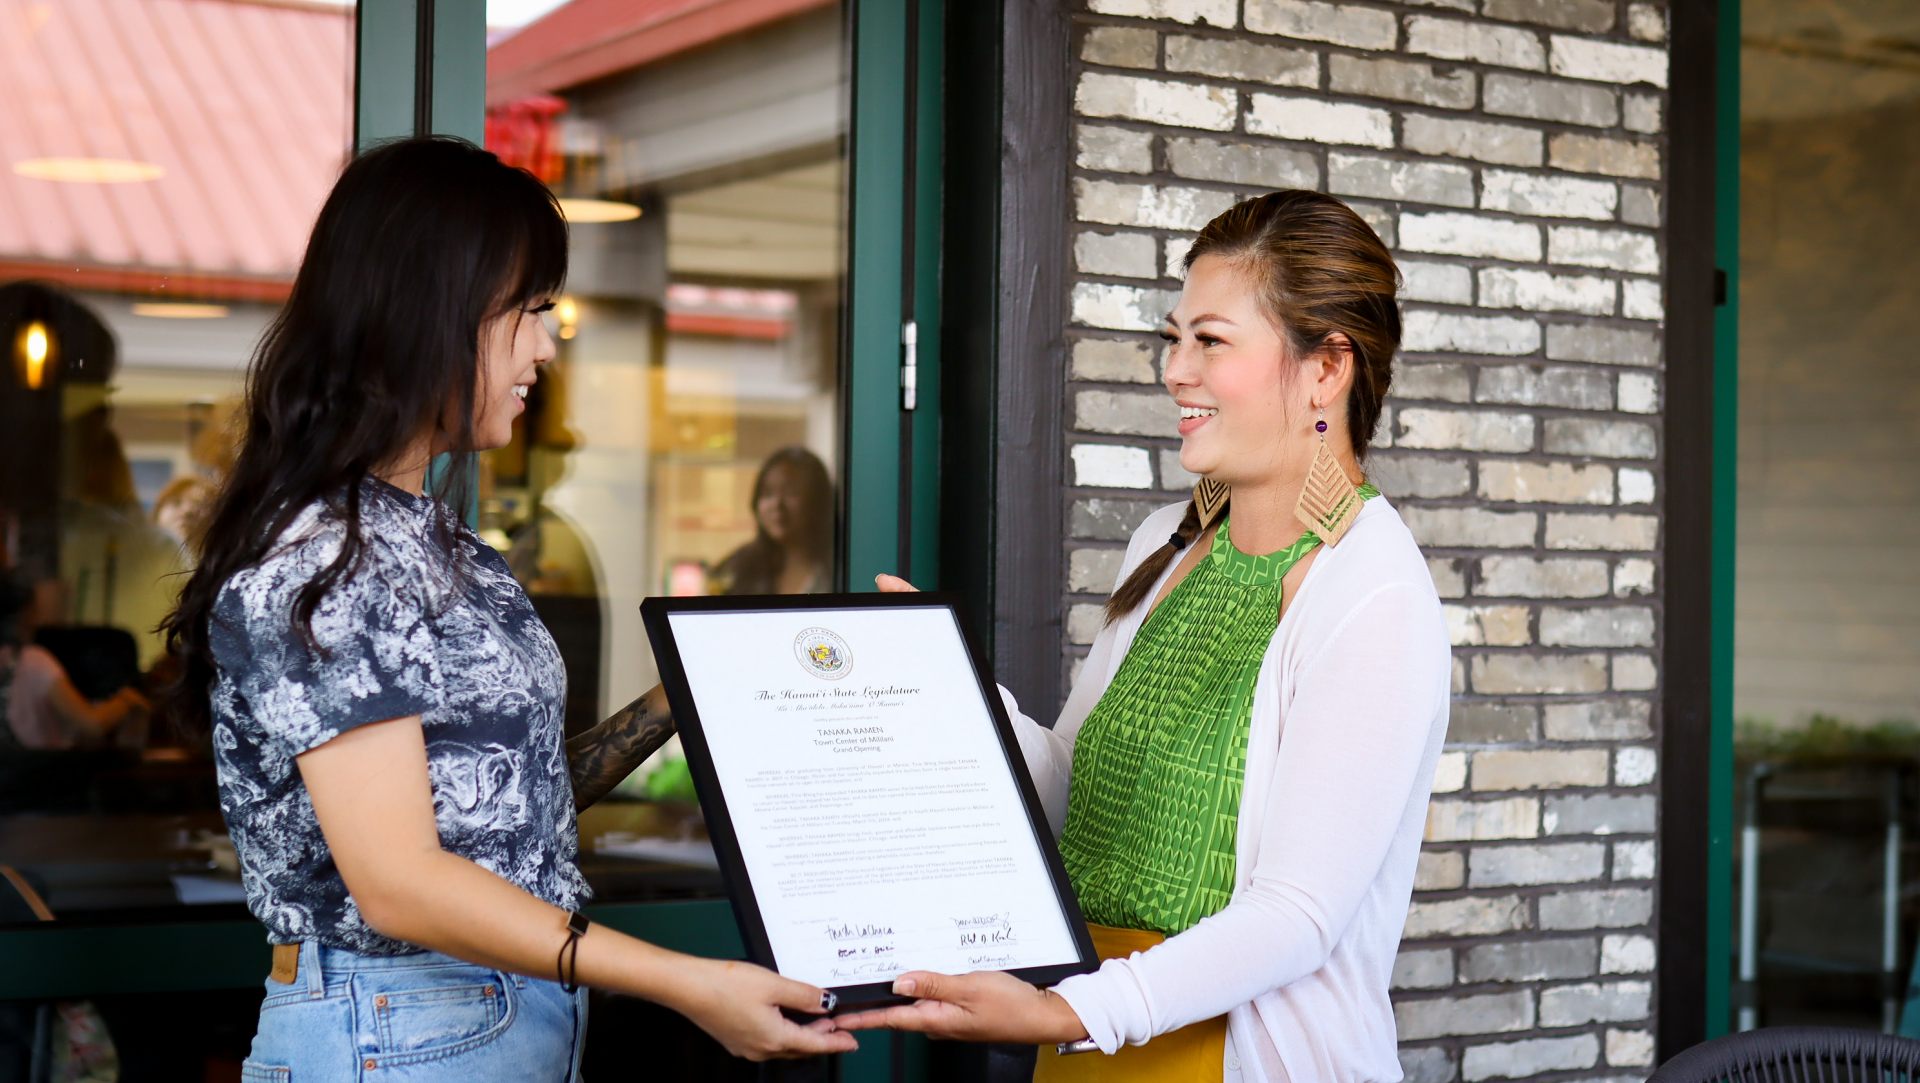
[1511, 152]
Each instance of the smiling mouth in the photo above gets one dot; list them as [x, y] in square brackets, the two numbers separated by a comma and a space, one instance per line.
[1190, 413]
[520, 391]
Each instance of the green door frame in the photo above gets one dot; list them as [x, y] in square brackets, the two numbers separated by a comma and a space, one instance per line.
[420, 65]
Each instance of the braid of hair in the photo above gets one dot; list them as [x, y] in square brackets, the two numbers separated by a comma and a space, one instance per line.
[1131, 593]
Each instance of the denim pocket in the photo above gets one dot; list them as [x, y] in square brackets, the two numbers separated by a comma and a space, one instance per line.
[252, 1071]
[446, 1012]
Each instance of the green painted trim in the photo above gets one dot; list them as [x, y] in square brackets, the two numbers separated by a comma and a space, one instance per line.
[1726, 432]
[929, 175]
[385, 32]
[460, 69]
[876, 217]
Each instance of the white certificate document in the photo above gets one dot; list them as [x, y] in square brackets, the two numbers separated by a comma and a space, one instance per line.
[870, 790]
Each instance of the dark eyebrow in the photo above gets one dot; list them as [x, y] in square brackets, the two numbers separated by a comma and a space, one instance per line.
[1204, 317]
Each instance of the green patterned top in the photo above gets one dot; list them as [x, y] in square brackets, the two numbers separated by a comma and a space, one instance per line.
[1154, 798]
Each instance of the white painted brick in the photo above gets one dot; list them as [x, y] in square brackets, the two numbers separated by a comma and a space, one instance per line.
[1125, 255]
[1607, 61]
[1430, 968]
[1545, 385]
[1450, 773]
[1113, 150]
[1613, 908]
[1616, 718]
[1094, 570]
[1449, 576]
[1459, 39]
[1640, 300]
[1319, 121]
[1635, 673]
[1502, 144]
[1233, 162]
[1442, 283]
[1480, 821]
[1127, 413]
[1543, 291]
[1401, 80]
[1633, 577]
[1336, 24]
[1439, 870]
[1635, 766]
[1528, 1057]
[1634, 345]
[1633, 860]
[1580, 153]
[1205, 12]
[1626, 954]
[1084, 623]
[1112, 467]
[1578, 1005]
[1487, 625]
[1427, 1064]
[1530, 577]
[1639, 393]
[1641, 113]
[1536, 675]
[1107, 360]
[1248, 61]
[1151, 206]
[1604, 626]
[1425, 330]
[1464, 917]
[1636, 486]
[1551, 99]
[1618, 533]
[1174, 256]
[1503, 480]
[1616, 249]
[1599, 814]
[1380, 218]
[1119, 308]
[1594, 16]
[1446, 383]
[1495, 1013]
[1526, 866]
[1558, 197]
[1479, 722]
[1647, 22]
[1156, 101]
[1174, 477]
[1121, 46]
[1640, 205]
[1539, 769]
[1467, 528]
[1630, 1048]
[1530, 960]
[1454, 234]
[1392, 178]
[1602, 439]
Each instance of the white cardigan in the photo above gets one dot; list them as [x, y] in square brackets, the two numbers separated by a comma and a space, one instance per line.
[1349, 712]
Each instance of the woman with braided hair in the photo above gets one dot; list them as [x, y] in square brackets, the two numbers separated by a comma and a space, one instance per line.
[1240, 776]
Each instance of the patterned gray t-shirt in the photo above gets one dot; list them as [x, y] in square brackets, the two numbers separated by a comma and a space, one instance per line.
[400, 637]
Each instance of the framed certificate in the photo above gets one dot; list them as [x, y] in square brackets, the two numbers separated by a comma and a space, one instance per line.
[864, 790]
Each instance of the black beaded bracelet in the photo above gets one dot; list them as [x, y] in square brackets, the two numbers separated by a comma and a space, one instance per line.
[565, 965]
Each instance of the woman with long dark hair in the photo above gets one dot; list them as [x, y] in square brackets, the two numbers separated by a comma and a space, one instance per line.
[1240, 777]
[792, 546]
[384, 705]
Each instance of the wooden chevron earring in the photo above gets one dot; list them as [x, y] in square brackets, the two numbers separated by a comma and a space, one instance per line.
[1329, 502]
[1209, 499]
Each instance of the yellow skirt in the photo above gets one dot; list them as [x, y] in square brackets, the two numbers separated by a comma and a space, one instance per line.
[1192, 1054]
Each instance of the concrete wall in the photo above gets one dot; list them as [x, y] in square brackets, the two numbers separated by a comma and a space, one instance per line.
[1511, 153]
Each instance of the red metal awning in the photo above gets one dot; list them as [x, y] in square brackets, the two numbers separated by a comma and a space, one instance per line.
[245, 105]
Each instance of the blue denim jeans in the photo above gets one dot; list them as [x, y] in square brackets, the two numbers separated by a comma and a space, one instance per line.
[423, 1018]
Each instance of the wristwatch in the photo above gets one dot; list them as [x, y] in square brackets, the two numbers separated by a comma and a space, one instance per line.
[1084, 1045]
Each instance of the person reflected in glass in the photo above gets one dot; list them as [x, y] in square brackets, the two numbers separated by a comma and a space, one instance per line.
[385, 707]
[1239, 780]
[792, 547]
[40, 708]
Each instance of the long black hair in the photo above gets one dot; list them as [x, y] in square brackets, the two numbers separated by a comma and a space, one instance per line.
[421, 242]
[754, 568]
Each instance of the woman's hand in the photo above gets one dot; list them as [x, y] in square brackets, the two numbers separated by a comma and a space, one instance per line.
[739, 1004]
[893, 584]
[985, 1006]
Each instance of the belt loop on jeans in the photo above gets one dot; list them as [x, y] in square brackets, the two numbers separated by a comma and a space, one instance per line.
[310, 962]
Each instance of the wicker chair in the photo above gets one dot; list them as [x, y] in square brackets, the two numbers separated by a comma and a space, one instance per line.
[1794, 1054]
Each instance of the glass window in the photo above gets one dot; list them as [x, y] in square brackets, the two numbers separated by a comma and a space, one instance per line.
[686, 439]
[1827, 652]
[161, 163]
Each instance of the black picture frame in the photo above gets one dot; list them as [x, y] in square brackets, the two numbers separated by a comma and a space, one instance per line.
[656, 613]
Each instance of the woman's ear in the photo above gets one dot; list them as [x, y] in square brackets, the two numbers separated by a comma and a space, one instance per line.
[1333, 367]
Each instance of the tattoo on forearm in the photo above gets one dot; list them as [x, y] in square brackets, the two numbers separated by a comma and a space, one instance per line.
[600, 757]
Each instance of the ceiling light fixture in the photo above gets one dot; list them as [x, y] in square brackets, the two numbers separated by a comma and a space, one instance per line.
[89, 170]
[597, 211]
[178, 310]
